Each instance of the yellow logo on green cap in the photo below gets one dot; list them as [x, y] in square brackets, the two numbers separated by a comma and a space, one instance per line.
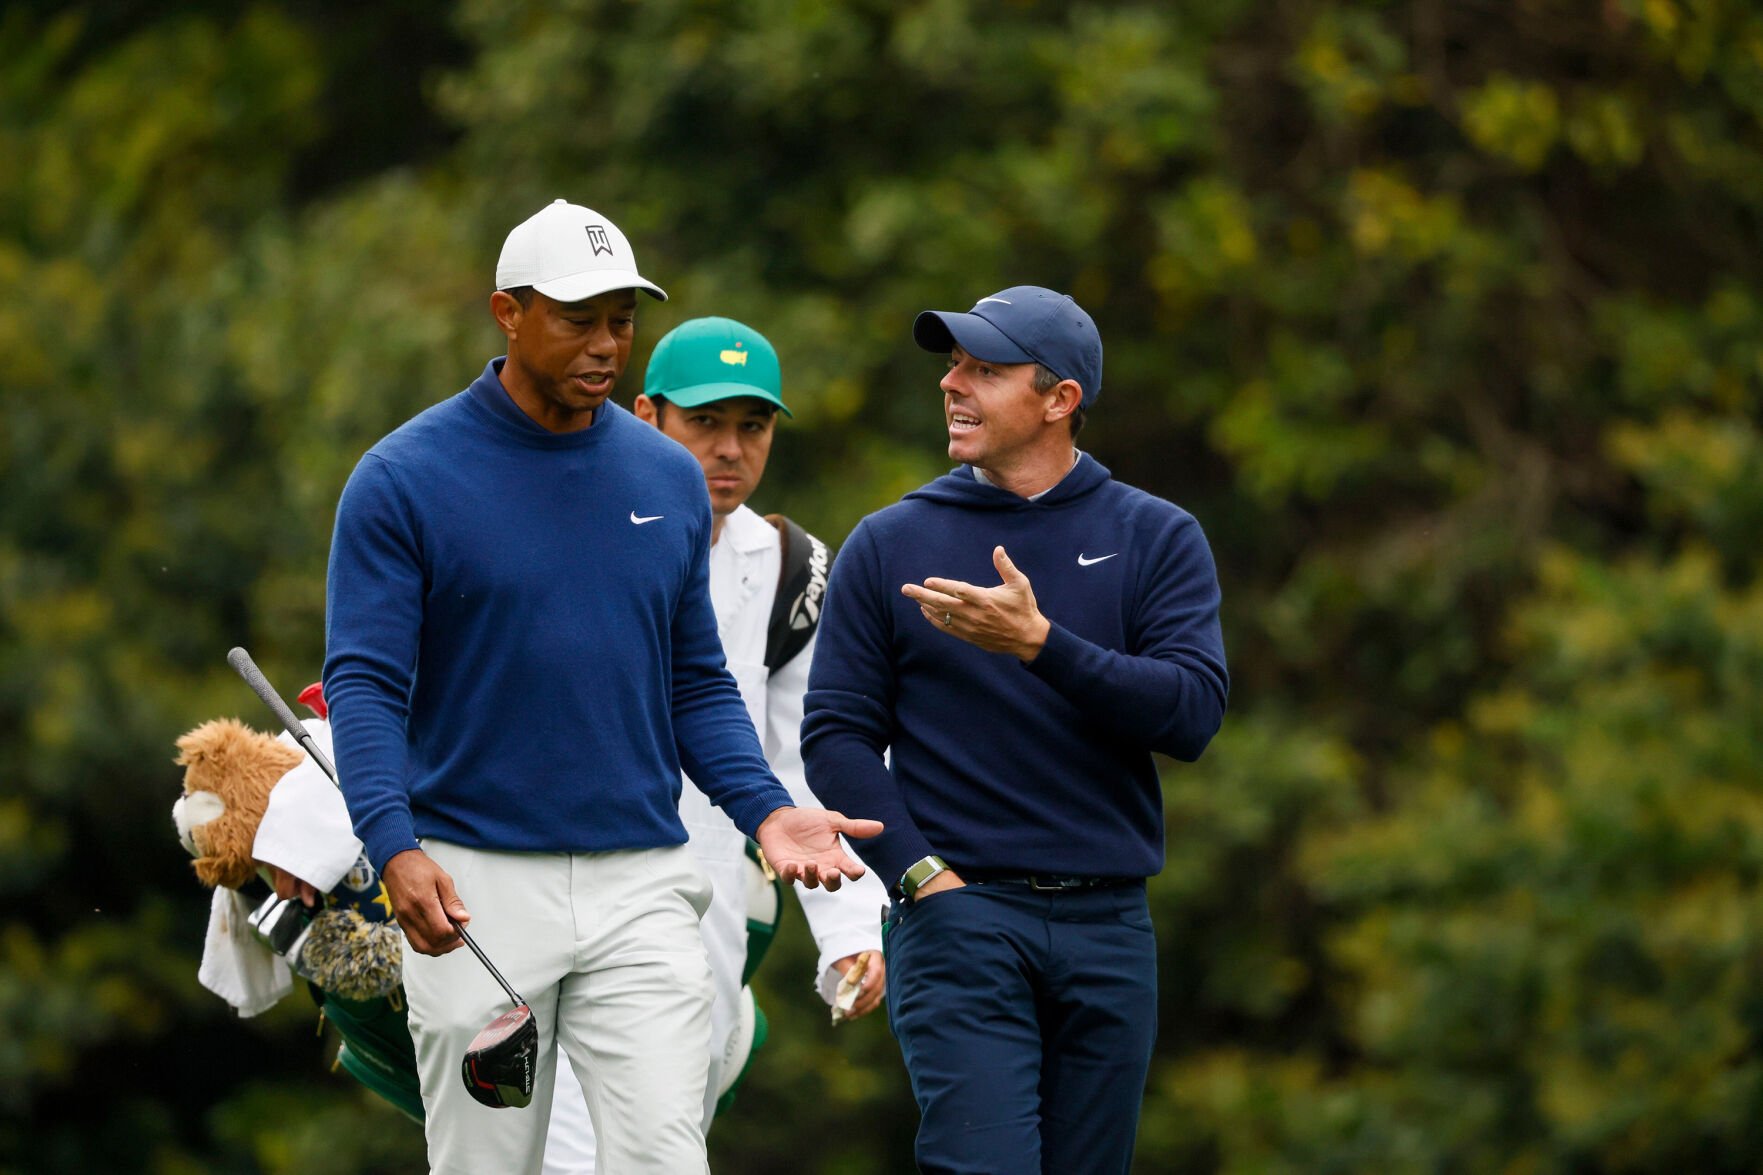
[735, 358]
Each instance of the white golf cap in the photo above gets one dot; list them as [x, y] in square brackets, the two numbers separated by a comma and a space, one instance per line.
[567, 252]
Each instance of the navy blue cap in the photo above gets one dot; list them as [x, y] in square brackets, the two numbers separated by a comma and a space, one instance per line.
[1023, 324]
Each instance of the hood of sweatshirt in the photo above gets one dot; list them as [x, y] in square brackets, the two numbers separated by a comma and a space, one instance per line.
[959, 487]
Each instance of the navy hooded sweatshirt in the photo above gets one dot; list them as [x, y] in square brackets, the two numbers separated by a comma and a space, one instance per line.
[995, 765]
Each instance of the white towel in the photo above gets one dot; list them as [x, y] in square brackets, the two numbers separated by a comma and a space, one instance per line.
[305, 828]
[237, 965]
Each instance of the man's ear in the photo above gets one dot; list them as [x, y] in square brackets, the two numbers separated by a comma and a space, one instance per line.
[646, 410]
[1067, 396]
[506, 310]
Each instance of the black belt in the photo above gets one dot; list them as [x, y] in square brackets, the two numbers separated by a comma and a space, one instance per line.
[1044, 883]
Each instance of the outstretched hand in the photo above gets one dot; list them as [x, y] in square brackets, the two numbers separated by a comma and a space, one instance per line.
[802, 845]
[1002, 619]
[424, 901]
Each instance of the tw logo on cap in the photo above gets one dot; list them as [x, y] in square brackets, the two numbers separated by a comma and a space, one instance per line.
[597, 238]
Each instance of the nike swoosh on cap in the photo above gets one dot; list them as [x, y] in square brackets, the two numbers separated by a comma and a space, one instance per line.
[999, 301]
[640, 521]
[1083, 562]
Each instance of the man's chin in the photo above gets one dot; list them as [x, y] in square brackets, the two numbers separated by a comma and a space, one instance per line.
[577, 398]
[585, 398]
[723, 503]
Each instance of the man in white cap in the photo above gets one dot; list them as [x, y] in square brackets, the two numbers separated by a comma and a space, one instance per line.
[521, 657]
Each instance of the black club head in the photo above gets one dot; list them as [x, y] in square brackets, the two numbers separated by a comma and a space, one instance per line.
[498, 1067]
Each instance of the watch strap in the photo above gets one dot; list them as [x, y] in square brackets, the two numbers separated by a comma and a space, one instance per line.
[919, 872]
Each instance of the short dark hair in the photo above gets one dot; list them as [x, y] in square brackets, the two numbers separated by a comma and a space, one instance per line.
[521, 294]
[1045, 381]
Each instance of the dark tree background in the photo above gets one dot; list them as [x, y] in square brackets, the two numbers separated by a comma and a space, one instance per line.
[1442, 316]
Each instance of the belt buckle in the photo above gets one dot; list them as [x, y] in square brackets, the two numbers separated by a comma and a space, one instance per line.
[1053, 884]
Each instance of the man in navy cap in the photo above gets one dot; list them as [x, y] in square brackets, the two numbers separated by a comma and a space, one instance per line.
[1019, 635]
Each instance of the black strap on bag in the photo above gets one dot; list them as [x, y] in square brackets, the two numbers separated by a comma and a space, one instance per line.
[801, 586]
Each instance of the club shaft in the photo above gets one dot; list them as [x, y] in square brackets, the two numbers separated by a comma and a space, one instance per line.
[240, 660]
[485, 960]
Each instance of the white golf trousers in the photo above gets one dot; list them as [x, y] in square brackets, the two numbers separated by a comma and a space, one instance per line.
[605, 948]
[570, 1146]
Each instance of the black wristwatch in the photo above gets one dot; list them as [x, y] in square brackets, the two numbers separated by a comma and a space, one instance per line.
[919, 872]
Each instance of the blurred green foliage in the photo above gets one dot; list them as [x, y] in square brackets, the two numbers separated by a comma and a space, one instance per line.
[1443, 318]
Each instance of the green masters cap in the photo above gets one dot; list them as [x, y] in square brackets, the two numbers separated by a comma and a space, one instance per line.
[709, 359]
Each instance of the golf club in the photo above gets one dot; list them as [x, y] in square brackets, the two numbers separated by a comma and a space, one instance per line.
[498, 1066]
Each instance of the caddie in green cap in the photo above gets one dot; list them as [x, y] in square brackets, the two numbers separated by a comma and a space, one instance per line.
[709, 359]
[714, 385]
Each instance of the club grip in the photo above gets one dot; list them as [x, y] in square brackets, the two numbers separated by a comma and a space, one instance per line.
[240, 660]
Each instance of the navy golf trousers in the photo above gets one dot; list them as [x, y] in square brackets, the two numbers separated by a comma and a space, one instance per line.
[1026, 1020]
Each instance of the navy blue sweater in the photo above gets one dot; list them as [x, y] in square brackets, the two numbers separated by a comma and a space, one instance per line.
[996, 765]
[513, 660]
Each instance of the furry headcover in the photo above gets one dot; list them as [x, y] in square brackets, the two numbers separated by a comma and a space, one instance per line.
[226, 761]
